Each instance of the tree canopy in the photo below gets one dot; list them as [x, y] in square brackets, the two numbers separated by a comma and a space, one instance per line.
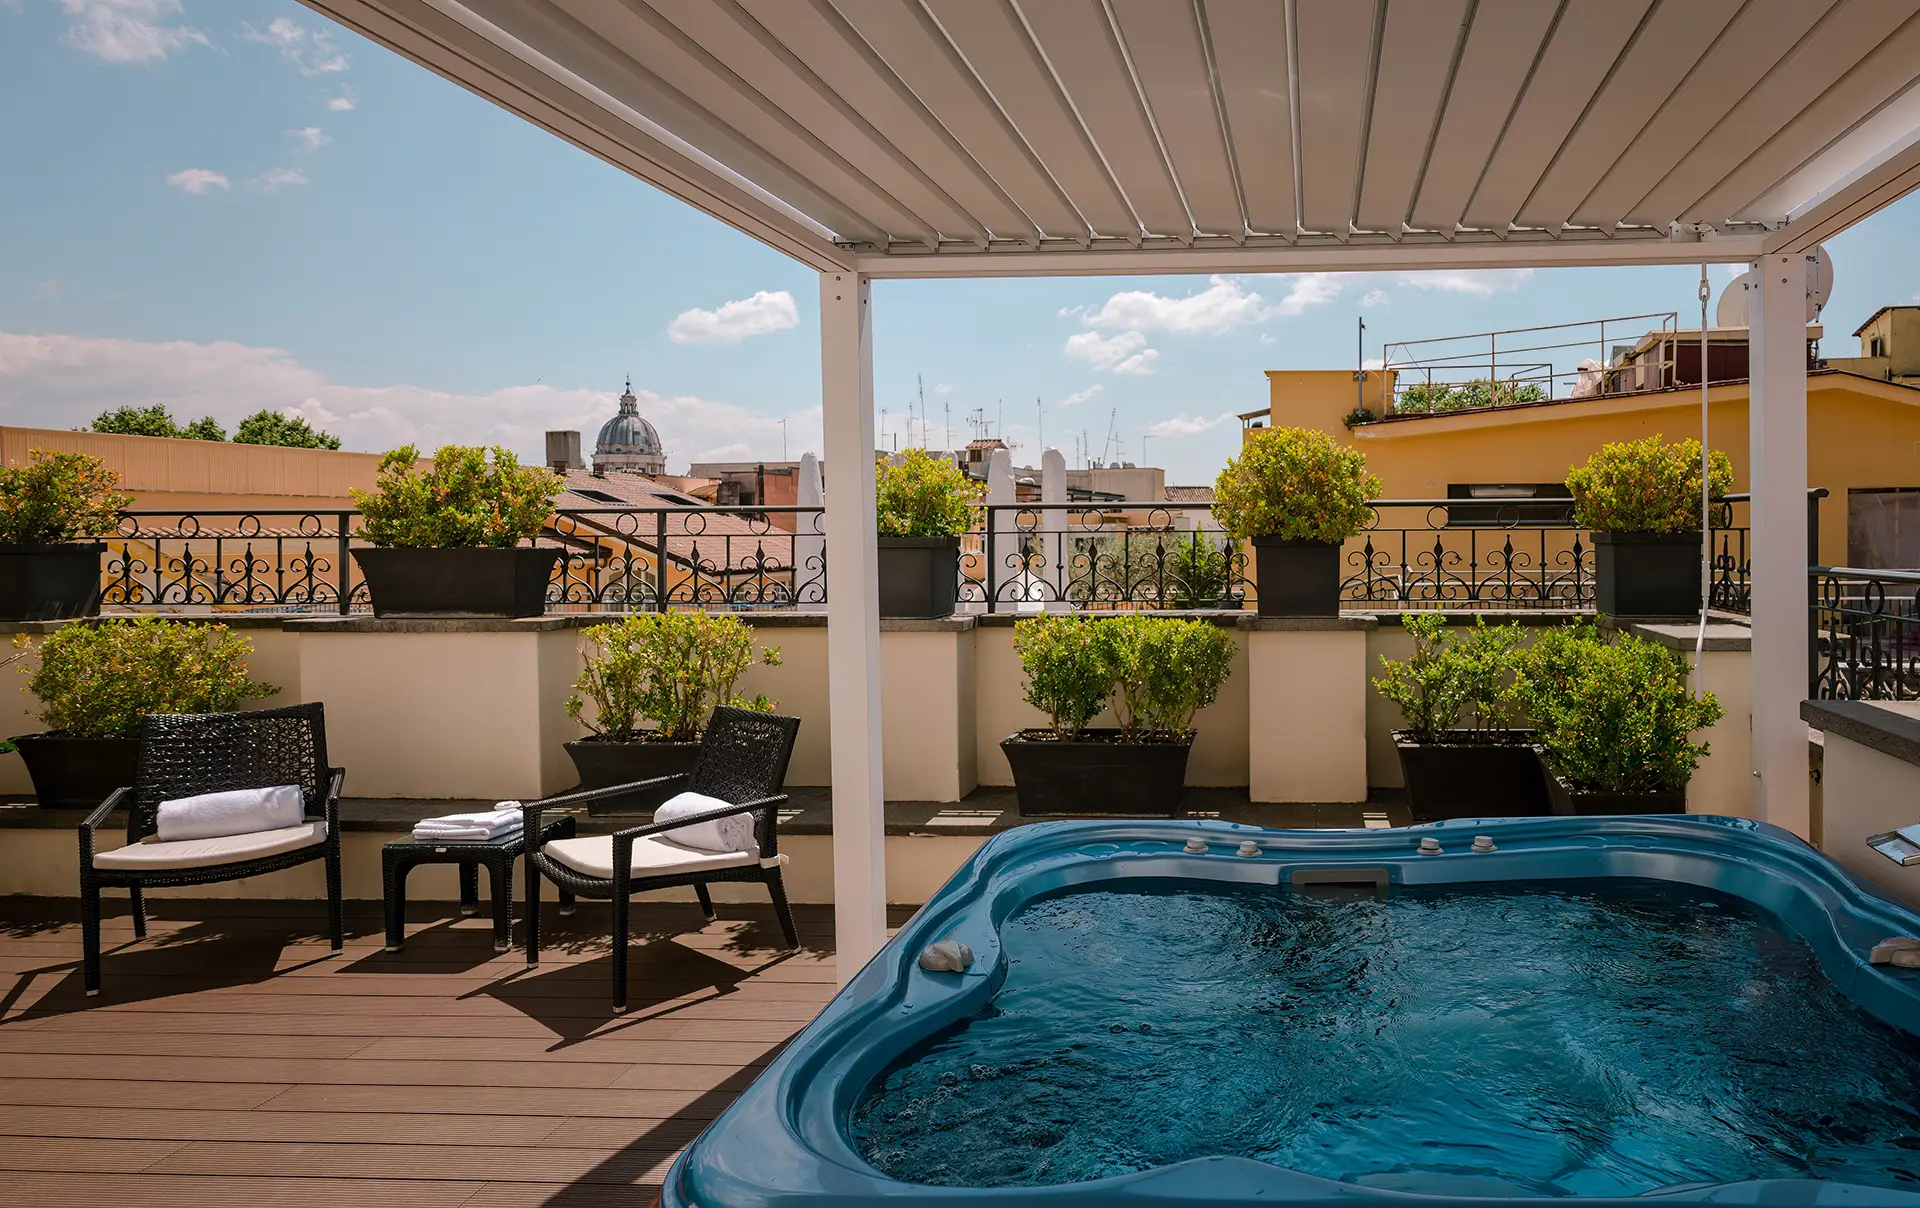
[263, 427]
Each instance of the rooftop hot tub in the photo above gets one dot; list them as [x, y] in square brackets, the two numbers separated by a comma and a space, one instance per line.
[1584, 1010]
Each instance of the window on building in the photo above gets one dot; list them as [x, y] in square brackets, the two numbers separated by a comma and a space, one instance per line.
[1495, 504]
[1877, 346]
[597, 496]
[1883, 528]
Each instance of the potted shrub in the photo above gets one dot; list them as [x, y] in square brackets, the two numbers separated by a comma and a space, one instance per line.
[1641, 499]
[1297, 496]
[653, 681]
[1157, 672]
[447, 537]
[1614, 720]
[47, 571]
[925, 503]
[96, 681]
[1486, 769]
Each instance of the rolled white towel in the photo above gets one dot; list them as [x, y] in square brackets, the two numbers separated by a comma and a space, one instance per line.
[236, 812]
[729, 834]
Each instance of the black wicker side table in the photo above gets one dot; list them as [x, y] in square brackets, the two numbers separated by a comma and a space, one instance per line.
[399, 857]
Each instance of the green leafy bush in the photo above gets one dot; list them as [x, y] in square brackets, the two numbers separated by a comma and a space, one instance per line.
[463, 499]
[1297, 484]
[921, 495]
[265, 427]
[58, 497]
[671, 669]
[1427, 398]
[1645, 486]
[1158, 672]
[1198, 573]
[1613, 716]
[99, 680]
[1450, 675]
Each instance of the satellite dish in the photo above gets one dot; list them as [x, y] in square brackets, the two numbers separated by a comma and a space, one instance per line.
[1821, 284]
[1732, 311]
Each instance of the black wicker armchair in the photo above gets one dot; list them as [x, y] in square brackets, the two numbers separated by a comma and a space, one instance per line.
[743, 759]
[188, 754]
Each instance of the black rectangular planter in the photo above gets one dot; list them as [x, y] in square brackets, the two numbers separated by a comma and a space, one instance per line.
[1296, 578]
[1569, 801]
[1467, 775]
[919, 576]
[1647, 574]
[473, 582]
[50, 582]
[603, 764]
[77, 773]
[1095, 774]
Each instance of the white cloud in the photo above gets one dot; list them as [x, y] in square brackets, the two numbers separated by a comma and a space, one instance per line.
[128, 31]
[198, 181]
[1081, 396]
[763, 314]
[1375, 297]
[309, 138]
[1308, 290]
[945, 388]
[1124, 353]
[1266, 337]
[340, 104]
[275, 179]
[1186, 425]
[311, 51]
[1479, 282]
[1222, 306]
[1373, 363]
[63, 381]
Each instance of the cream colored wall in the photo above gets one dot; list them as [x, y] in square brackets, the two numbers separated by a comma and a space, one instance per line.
[44, 863]
[1391, 641]
[799, 685]
[438, 714]
[1308, 708]
[1323, 398]
[927, 742]
[1866, 793]
[1723, 783]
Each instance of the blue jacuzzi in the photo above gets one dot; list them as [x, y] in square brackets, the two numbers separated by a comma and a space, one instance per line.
[1344, 994]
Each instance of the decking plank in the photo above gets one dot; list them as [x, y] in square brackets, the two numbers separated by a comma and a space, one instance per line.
[507, 1162]
[198, 1124]
[37, 1190]
[82, 1155]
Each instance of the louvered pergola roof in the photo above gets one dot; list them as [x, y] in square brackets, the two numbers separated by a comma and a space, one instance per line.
[1014, 137]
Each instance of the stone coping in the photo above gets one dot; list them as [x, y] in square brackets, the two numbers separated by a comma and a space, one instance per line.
[1888, 726]
[1722, 636]
[986, 811]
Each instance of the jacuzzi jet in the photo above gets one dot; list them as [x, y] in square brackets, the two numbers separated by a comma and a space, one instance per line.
[1902, 952]
[1429, 846]
[1483, 843]
[1248, 849]
[1196, 847]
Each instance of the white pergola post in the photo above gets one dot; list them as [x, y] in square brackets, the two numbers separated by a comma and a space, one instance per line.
[1777, 423]
[853, 621]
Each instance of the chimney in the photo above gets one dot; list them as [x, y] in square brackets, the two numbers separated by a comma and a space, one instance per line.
[563, 451]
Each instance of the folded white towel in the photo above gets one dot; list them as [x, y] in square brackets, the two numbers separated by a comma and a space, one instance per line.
[730, 834]
[507, 812]
[236, 812]
[470, 835]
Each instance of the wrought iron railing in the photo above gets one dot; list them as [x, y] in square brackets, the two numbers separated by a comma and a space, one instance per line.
[1864, 633]
[1417, 553]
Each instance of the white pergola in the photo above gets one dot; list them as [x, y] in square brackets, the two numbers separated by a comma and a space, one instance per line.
[968, 138]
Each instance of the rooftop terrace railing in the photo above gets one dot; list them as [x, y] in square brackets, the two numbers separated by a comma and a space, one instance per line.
[1864, 631]
[1417, 553]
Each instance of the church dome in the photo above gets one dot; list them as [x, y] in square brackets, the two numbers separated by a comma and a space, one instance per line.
[628, 441]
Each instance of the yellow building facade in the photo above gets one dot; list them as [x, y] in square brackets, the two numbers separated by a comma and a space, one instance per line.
[1863, 435]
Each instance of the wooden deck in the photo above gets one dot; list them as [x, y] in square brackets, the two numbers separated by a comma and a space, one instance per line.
[230, 1060]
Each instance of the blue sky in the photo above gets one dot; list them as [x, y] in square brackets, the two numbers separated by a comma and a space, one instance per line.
[224, 206]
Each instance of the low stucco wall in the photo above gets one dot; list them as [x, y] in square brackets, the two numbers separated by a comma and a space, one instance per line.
[45, 863]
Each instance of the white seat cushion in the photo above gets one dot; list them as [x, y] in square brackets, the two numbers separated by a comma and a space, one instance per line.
[653, 856]
[203, 853]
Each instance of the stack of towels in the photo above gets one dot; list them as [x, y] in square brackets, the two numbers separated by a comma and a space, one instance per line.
[503, 821]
